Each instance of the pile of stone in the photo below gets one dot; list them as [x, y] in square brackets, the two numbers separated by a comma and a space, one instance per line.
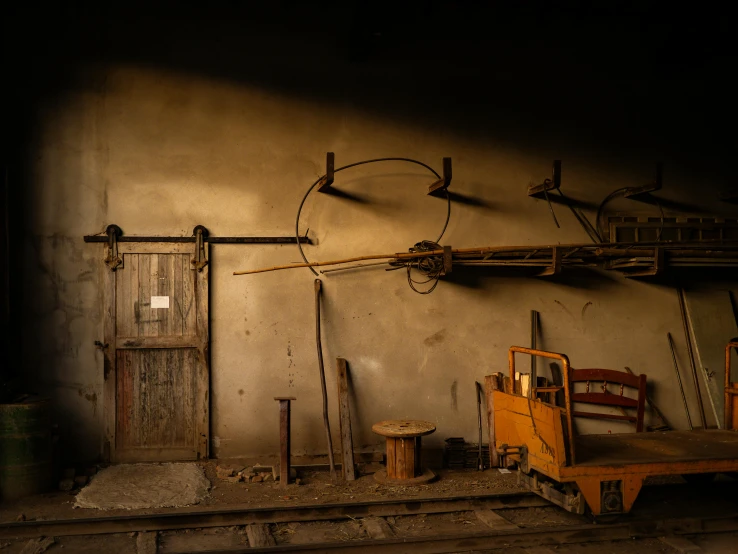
[72, 479]
[242, 474]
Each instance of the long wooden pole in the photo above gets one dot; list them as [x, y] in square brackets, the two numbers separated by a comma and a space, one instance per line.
[403, 255]
[679, 379]
[693, 365]
[626, 249]
[326, 421]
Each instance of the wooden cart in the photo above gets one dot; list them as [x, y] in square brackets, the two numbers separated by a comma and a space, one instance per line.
[602, 472]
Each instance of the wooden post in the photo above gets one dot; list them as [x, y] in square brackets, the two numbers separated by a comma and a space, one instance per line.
[284, 438]
[326, 421]
[491, 384]
[347, 444]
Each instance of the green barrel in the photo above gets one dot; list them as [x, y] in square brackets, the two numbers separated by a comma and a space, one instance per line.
[25, 449]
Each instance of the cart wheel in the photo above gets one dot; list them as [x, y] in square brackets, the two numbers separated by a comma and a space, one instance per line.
[699, 478]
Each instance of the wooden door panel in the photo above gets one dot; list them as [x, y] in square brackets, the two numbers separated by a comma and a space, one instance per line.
[162, 382]
[156, 395]
[147, 275]
[157, 358]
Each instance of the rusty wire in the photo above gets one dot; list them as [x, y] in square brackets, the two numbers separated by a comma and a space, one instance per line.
[376, 160]
[430, 266]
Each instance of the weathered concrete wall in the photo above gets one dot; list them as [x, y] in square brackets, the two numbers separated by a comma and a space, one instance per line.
[158, 151]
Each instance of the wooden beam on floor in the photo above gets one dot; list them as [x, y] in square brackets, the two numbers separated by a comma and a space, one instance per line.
[147, 542]
[377, 528]
[493, 520]
[259, 535]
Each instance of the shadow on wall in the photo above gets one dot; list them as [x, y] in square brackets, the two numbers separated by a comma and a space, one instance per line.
[480, 277]
[485, 71]
[581, 278]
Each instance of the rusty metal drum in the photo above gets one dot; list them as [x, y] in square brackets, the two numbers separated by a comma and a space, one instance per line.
[25, 449]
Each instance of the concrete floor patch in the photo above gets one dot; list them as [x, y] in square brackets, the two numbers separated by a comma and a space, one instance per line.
[138, 486]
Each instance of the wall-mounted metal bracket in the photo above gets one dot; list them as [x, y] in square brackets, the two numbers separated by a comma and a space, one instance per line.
[656, 269]
[651, 187]
[548, 185]
[113, 260]
[555, 267]
[440, 187]
[447, 260]
[199, 261]
[327, 179]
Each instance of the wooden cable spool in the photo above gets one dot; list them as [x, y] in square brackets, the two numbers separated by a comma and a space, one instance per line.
[404, 465]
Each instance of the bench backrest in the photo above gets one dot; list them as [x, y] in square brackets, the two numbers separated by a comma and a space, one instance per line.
[597, 392]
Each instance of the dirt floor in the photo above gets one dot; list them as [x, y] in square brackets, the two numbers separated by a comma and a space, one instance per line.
[316, 488]
[203, 540]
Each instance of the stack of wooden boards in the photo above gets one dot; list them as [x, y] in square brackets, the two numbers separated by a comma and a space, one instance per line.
[459, 454]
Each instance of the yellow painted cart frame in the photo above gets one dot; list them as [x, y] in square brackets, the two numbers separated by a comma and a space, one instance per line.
[605, 471]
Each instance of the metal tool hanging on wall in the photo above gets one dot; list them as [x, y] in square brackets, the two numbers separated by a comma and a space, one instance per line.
[554, 185]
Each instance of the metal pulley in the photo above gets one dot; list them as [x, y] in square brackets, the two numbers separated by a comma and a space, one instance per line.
[113, 260]
[199, 261]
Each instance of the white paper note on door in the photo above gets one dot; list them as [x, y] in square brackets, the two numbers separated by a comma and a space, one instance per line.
[159, 302]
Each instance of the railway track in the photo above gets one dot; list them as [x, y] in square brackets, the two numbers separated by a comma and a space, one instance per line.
[504, 539]
[245, 515]
[496, 524]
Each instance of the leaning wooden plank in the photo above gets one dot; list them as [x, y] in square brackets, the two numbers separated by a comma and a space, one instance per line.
[558, 380]
[713, 325]
[259, 535]
[347, 443]
[525, 384]
[202, 379]
[516, 385]
[109, 363]
[492, 383]
[494, 521]
[508, 388]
